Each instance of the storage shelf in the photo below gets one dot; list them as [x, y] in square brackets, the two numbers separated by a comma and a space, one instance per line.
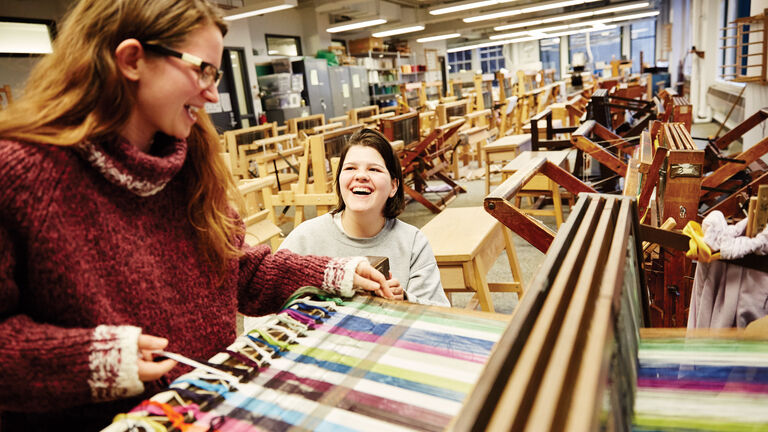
[382, 54]
[385, 96]
[387, 83]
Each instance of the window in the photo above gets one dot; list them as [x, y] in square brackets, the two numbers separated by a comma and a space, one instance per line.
[283, 45]
[549, 50]
[643, 39]
[605, 46]
[460, 61]
[491, 59]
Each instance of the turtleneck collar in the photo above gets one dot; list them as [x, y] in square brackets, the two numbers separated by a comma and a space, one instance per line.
[124, 165]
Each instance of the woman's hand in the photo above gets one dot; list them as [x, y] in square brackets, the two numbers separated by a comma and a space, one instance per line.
[396, 288]
[148, 369]
[369, 279]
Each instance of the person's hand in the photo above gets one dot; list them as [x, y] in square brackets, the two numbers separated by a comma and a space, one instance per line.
[396, 288]
[369, 279]
[148, 369]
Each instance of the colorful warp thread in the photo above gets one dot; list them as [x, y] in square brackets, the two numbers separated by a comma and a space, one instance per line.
[702, 385]
[371, 366]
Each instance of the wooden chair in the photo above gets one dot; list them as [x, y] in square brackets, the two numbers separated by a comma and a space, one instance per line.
[465, 255]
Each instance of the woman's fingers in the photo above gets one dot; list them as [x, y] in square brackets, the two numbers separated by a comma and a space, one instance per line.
[150, 370]
[370, 279]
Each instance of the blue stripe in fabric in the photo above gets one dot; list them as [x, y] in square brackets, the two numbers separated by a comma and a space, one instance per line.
[441, 340]
[706, 373]
[415, 386]
[448, 341]
[363, 325]
[380, 378]
[258, 407]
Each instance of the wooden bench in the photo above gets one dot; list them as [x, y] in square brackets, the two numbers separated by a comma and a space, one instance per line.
[466, 242]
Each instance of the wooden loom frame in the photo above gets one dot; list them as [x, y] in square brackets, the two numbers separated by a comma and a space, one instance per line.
[549, 370]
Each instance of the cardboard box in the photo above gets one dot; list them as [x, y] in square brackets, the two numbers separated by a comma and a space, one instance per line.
[362, 46]
[282, 65]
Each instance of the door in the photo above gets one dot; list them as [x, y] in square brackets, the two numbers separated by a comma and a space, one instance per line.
[234, 110]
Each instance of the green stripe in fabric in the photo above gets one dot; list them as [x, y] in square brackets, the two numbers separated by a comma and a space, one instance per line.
[688, 423]
[711, 345]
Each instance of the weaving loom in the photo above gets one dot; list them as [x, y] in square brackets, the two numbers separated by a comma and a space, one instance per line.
[371, 365]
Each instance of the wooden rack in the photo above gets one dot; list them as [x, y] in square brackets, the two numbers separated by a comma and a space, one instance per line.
[749, 41]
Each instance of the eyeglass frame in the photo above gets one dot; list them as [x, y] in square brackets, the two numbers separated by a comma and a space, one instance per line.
[189, 58]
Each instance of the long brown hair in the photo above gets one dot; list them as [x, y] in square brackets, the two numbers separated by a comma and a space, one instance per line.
[77, 93]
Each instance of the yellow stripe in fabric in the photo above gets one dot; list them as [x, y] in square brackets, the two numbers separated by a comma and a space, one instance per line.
[415, 376]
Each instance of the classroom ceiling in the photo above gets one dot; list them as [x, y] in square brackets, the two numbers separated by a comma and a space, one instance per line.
[403, 12]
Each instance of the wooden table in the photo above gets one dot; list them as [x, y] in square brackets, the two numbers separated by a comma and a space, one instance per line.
[504, 149]
[466, 242]
[539, 184]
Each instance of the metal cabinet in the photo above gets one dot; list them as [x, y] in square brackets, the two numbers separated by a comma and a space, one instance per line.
[358, 77]
[317, 85]
[341, 90]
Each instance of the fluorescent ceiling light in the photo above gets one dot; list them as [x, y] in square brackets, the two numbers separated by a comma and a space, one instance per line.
[632, 17]
[508, 35]
[534, 36]
[24, 38]
[399, 30]
[260, 7]
[537, 8]
[353, 25]
[571, 16]
[463, 6]
[439, 37]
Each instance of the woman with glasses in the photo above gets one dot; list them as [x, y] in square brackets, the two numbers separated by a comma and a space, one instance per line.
[116, 233]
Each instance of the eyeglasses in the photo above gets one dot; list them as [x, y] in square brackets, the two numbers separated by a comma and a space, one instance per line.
[208, 73]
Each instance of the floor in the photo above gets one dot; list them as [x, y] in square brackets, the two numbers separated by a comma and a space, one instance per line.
[528, 256]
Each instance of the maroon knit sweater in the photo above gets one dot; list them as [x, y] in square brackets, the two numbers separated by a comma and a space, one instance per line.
[96, 247]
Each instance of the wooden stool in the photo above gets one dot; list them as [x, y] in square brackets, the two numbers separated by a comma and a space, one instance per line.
[539, 184]
[466, 242]
[504, 149]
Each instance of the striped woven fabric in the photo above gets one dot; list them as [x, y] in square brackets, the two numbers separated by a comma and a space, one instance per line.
[372, 365]
[702, 384]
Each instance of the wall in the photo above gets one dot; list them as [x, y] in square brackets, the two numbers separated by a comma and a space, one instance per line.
[239, 36]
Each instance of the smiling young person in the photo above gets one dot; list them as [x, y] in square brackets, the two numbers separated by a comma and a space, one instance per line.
[369, 186]
[117, 236]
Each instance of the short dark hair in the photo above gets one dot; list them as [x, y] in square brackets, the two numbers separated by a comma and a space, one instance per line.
[374, 139]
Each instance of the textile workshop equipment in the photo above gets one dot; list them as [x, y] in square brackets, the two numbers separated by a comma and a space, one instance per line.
[326, 364]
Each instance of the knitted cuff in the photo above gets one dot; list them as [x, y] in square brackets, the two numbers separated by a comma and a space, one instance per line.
[114, 363]
[339, 276]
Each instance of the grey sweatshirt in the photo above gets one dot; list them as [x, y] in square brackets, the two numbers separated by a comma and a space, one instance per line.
[411, 260]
